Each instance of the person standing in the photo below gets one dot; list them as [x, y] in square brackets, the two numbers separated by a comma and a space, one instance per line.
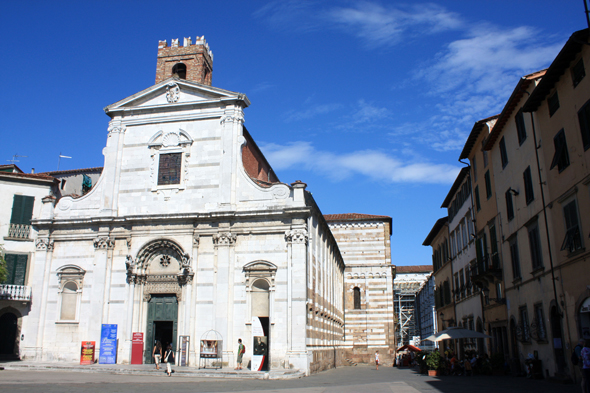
[578, 355]
[169, 359]
[241, 351]
[157, 354]
[377, 359]
[585, 357]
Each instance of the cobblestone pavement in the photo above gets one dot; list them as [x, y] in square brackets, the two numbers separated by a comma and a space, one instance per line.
[342, 380]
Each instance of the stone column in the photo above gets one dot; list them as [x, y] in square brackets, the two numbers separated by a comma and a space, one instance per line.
[296, 297]
[34, 329]
[223, 300]
[102, 244]
[130, 265]
[231, 141]
[192, 301]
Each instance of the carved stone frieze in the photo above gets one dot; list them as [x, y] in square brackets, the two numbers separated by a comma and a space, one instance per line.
[103, 243]
[162, 284]
[296, 236]
[116, 129]
[196, 240]
[44, 244]
[239, 118]
[224, 239]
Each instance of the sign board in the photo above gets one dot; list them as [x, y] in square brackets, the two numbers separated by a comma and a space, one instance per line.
[259, 345]
[137, 348]
[87, 352]
[210, 349]
[108, 344]
[184, 350]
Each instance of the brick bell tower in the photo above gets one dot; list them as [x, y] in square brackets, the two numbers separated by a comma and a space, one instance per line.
[193, 62]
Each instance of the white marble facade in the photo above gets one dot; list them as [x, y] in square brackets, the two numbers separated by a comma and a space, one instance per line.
[205, 239]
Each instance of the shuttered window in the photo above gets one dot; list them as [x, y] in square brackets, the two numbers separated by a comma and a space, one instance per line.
[22, 209]
[16, 266]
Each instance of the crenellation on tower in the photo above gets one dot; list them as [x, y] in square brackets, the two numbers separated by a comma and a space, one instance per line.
[190, 61]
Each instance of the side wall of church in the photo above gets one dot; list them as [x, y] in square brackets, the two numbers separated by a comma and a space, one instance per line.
[366, 250]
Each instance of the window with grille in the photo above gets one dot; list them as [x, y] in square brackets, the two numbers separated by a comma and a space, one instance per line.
[169, 169]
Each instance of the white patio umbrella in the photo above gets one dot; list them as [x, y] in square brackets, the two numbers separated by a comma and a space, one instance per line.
[454, 333]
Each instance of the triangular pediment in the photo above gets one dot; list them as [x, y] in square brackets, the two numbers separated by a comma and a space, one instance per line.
[175, 91]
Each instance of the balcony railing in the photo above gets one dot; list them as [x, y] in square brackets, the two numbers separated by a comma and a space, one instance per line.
[19, 231]
[15, 292]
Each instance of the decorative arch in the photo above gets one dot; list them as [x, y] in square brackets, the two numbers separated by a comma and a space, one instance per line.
[260, 270]
[160, 246]
[175, 270]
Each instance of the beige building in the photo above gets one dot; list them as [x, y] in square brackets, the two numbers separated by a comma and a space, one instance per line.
[560, 112]
[438, 239]
[364, 242]
[517, 294]
[486, 268]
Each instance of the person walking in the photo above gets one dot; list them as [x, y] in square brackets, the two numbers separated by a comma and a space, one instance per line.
[377, 359]
[585, 358]
[241, 351]
[157, 354]
[169, 359]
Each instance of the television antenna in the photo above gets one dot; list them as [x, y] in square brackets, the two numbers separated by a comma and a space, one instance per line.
[59, 159]
[14, 158]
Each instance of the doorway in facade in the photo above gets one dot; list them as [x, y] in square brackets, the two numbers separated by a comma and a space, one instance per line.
[260, 309]
[8, 329]
[162, 324]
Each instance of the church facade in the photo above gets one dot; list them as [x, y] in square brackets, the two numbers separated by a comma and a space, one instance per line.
[187, 231]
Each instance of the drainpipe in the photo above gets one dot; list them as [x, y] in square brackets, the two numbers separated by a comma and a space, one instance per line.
[541, 183]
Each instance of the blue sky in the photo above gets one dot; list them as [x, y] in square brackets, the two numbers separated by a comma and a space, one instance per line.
[368, 102]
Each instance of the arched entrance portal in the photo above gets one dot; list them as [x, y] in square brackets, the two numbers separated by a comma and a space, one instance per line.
[8, 331]
[161, 270]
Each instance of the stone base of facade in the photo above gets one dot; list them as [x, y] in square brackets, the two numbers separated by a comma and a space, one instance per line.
[325, 359]
[365, 354]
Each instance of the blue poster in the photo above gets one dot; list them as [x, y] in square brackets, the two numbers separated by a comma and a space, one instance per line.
[108, 344]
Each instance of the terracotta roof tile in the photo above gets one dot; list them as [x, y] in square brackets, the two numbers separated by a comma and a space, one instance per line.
[413, 269]
[353, 217]
[71, 171]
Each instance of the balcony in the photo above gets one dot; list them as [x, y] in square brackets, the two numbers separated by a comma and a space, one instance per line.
[19, 232]
[15, 292]
[486, 269]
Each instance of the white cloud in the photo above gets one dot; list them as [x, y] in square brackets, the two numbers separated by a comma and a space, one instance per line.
[378, 25]
[311, 112]
[373, 164]
[490, 59]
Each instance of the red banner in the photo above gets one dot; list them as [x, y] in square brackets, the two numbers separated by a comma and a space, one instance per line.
[137, 348]
[87, 352]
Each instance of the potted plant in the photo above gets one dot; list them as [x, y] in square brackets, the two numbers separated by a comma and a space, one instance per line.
[421, 361]
[433, 362]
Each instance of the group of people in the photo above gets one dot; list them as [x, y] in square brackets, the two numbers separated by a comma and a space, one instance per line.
[167, 357]
[582, 355]
[466, 366]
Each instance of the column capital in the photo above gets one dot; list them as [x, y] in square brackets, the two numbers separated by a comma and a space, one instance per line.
[296, 236]
[103, 243]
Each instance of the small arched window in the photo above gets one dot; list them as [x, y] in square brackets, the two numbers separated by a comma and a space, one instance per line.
[357, 298]
[180, 70]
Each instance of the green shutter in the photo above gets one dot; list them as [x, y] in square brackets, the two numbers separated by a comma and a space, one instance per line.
[22, 209]
[16, 266]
